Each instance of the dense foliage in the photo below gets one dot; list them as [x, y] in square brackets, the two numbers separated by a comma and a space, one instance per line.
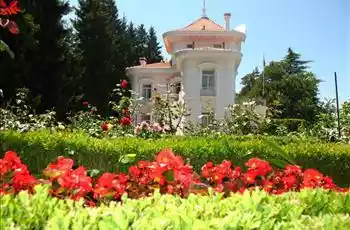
[60, 61]
[39, 148]
[285, 85]
[308, 209]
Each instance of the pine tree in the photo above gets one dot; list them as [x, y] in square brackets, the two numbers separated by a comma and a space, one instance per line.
[101, 37]
[293, 63]
[154, 53]
[133, 56]
[142, 41]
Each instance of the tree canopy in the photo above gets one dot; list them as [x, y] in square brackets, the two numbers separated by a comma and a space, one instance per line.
[62, 63]
[288, 87]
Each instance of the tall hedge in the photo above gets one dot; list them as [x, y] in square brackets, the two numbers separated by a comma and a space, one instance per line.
[37, 149]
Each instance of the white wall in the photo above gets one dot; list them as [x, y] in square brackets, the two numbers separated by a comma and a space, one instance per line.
[191, 85]
[226, 87]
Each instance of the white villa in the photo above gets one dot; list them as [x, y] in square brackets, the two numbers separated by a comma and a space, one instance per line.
[205, 59]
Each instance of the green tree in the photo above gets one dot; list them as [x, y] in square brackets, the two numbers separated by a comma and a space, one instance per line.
[133, 56]
[40, 63]
[142, 46]
[154, 53]
[101, 37]
[293, 63]
[288, 88]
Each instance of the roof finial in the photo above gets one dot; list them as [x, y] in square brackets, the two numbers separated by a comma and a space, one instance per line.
[204, 10]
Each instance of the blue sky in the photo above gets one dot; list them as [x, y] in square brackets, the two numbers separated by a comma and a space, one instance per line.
[318, 29]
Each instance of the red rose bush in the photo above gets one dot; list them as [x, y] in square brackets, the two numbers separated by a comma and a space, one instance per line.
[168, 173]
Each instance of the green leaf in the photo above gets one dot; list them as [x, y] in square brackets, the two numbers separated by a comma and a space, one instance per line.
[4, 47]
[93, 172]
[169, 175]
[279, 151]
[128, 158]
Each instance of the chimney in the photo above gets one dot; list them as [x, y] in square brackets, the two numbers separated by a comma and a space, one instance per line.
[143, 61]
[227, 20]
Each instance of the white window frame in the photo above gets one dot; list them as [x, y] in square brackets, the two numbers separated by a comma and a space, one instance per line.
[147, 91]
[208, 79]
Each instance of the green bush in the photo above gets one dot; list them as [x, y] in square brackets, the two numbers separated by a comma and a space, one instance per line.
[39, 148]
[309, 209]
[284, 126]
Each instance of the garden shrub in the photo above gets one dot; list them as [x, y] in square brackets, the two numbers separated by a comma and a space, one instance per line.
[284, 126]
[38, 148]
[308, 209]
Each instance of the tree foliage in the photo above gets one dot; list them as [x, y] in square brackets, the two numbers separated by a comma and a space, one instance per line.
[63, 62]
[288, 87]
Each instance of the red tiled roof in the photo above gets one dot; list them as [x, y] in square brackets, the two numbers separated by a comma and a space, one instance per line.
[160, 65]
[201, 24]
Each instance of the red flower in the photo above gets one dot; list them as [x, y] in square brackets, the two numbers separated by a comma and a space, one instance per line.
[105, 126]
[57, 168]
[9, 9]
[207, 169]
[261, 167]
[23, 181]
[12, 158]
[289, 181]
[268, 185]
[126, 111]
[249, 177]
[312, 178]
[110, 185]
[134, 171]
[85, 104]
[167, 156]
[5, 167]
[124, 84]
[328, 183]
[143, 164]
[293, 169]
[236, 173]
[126, 121]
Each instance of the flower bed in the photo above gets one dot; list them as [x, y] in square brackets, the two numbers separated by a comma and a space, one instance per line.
[40, 147]
[168, 173]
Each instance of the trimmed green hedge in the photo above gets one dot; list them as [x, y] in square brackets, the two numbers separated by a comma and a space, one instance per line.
[308, 209]
[37, 149]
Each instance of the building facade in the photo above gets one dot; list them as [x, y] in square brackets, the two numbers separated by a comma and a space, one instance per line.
[204, 63]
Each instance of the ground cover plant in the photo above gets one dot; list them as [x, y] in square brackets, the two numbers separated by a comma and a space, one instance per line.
[307, 209]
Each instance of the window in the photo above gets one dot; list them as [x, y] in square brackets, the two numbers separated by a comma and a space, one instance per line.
[206, 119]
[218, 46]
[208, 79]
[146, 117]
[147, 91]
[189, 46]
